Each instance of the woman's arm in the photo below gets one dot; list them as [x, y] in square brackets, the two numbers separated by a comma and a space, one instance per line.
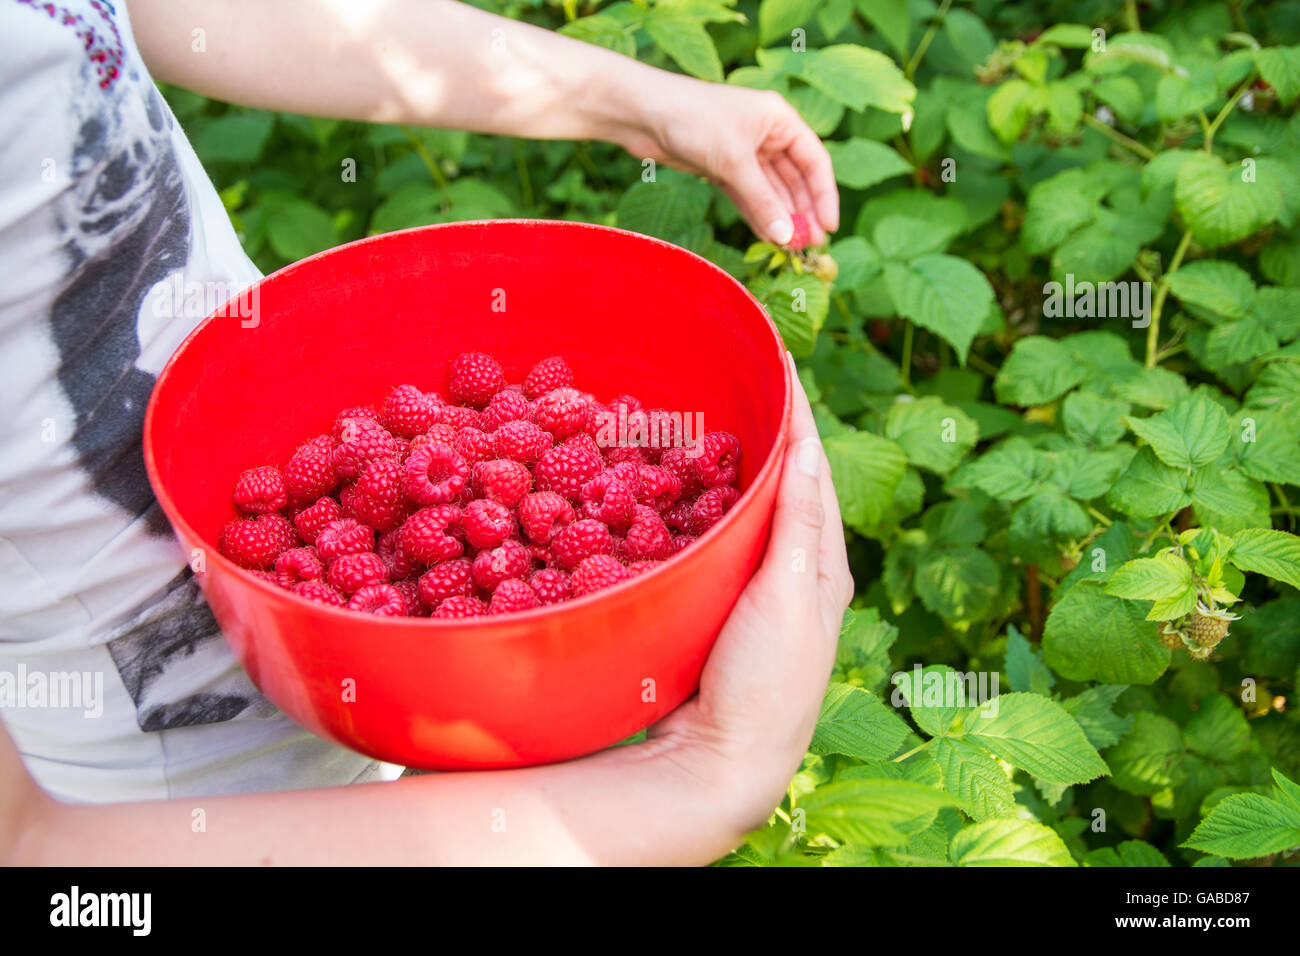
[442, 63]
[711, 771]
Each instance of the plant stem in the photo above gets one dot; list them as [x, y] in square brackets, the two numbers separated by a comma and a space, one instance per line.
[905, 367]
[927, 39]
[430, 163]
[1099, 516]
[1128, 142]
[901, 757]
[1131, 16]
[1162, 292]
[1223, 113]
[987, 368]
[525, 182]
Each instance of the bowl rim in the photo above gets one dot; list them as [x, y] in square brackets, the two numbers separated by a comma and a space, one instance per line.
[182, 528]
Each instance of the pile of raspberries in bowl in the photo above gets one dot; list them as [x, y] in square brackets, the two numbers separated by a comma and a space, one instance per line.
[494, 499]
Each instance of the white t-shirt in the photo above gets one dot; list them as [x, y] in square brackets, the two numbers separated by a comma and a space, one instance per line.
[101, 200]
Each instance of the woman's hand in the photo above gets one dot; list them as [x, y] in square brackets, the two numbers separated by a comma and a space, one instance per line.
[752, 143]
[764, 681]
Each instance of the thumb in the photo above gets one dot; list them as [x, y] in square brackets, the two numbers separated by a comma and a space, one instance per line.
[797, 522]
[766, 211]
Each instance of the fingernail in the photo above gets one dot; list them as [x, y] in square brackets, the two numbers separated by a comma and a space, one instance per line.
[781, 230]
[809, 457]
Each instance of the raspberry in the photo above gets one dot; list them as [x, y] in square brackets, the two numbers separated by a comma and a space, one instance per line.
[506, 406]
[551, 585]
[409, 589]
[583, 443]
[716, 464]
[502, 480]
[521, 441]
[678, 463]
[310, 473]
[660, 488]
[458, 607]
[1171, 638]
[487, 523]
[446, 579]
[434, 475]
[799, 238]
[377, 498]
[681, 541]
[256, 542]
[542, 514]
[381, 600]
[261, 490]
[425, 535]
[341, 419]
[626, 454]
[546, 376]
[490, 568]
[597, 572]
[361, 441]
[629, 403]
[389, 549]
[710, 507]
[342, 537]
[607, 499]
[678, 516]
[408, 412]
[1207, 630]
[475, 378]
[539, 552]
[513, 595]
[439, 434]
[297, 565]
[601, 423]
[475, 445]
[629, 474]
[580, 540]
[566, 470]
[663, 429]
[319, 591]
[311, 519]
[641, 567]
[267, 576]
[562, 411]
[648, 539]
[458, 417]
[352, 572]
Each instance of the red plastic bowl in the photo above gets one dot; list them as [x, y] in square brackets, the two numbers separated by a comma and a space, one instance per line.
[630, 314]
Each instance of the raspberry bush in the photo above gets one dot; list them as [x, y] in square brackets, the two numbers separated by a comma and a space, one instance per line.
[1053, 354]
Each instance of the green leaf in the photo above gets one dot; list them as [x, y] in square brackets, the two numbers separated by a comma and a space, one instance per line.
[972, 775]
[673, 207]
[944, 294]
[1249, 825]
[1165, 579]
[1149, 487]
[867, 469]
[959, 584]
[1218, 731]
[938, 697]
[890, 18]
[1217, 205]
[904, 237]
[1072, 36]
[861, 163]
[1064, 107]
[1038, 370]
[1091, 635]
[601, 29]
[1024, 665]
[933, 435]
[1266, 446]
[858, 724]
[1009, 842]
[1038, 736]
[1092, 710]
[1121, 94]
[1221, 287]
[776, 18]
[1128, 853]
[862, 655]
[1228, 500]
[1179, 95]
[858, 77]
[870, 812]
[1148, 759]
[1275, 554]
[1280, 68]
[298, 228]
[1125, 49]
[1010, 109]
[1008, 472]
[1096, 253]
[1094, 421]
[798, 305]
[1238, 342]
[684, 38]
[236, 137]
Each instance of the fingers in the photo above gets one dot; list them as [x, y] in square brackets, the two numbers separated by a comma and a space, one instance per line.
[767, 210]
[801, 514]
[801, 200]
[812, 161]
